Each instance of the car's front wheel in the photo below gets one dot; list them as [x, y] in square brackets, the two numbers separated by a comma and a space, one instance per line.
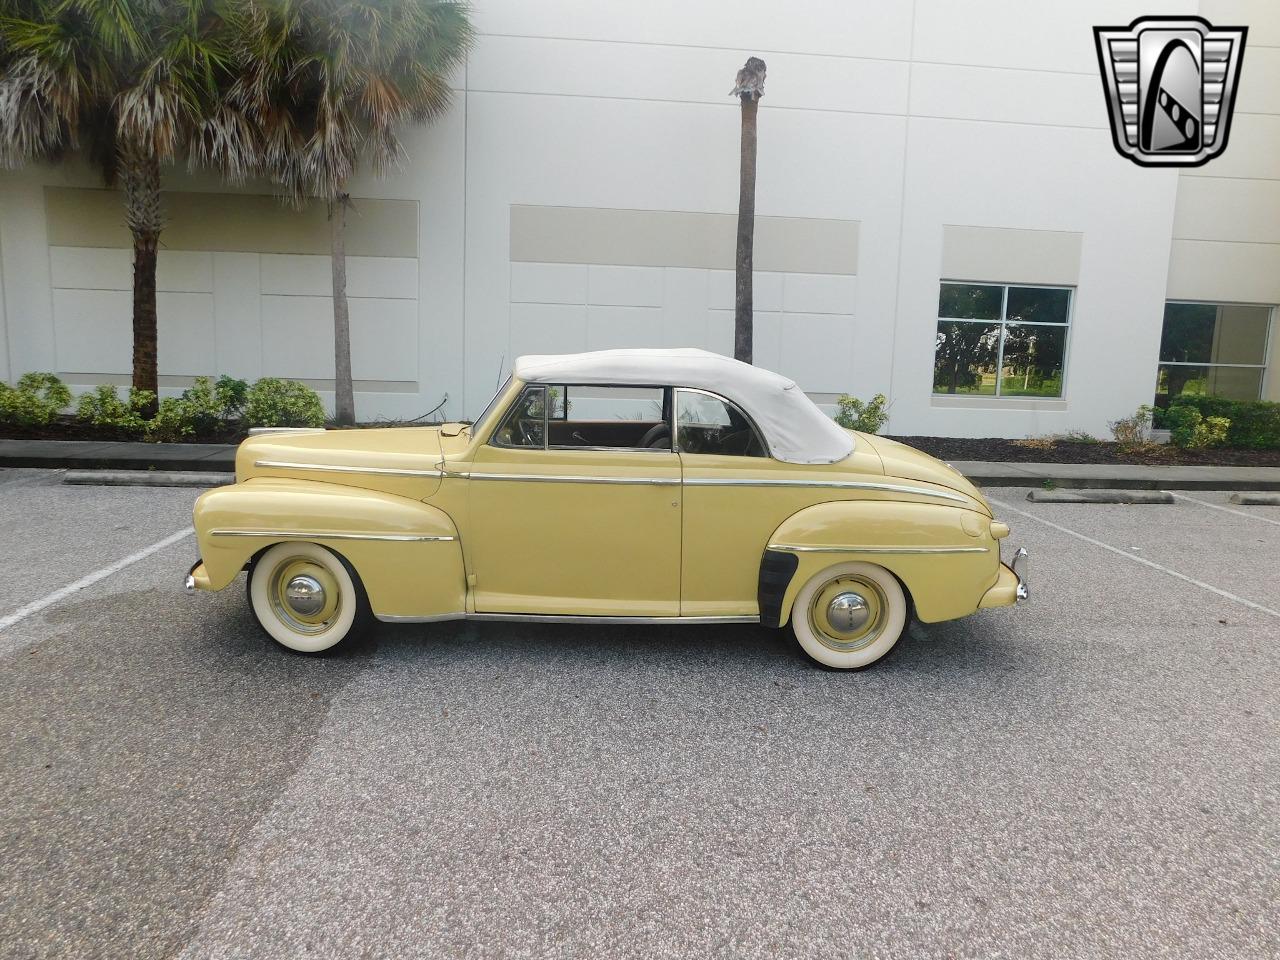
[306, 597]
[849, 615]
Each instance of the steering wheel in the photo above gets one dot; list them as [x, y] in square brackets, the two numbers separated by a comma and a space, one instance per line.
[527, 439]
[659, 435]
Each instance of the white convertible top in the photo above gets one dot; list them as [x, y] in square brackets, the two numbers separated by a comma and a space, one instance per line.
[795, 430]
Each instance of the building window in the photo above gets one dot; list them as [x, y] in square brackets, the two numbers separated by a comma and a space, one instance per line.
[1001, 341]
[1212, 349]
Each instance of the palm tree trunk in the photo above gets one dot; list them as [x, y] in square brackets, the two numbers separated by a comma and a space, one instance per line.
[344, 397]
[145, 218]
[744, 307]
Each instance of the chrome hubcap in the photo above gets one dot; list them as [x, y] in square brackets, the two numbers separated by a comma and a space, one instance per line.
[304, 595]
[848, 612]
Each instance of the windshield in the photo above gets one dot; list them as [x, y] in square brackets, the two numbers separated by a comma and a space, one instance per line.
[489, 408]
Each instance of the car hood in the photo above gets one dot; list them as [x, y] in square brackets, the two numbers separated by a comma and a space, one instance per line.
[909, 463]
[401, 460]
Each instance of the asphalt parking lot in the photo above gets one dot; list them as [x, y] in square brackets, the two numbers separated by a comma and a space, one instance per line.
[1093, 773]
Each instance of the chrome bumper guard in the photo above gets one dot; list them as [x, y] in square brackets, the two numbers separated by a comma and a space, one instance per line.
[189, 584]
[1021, 567]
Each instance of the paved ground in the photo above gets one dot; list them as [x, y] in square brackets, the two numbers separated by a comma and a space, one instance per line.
[1095, 773]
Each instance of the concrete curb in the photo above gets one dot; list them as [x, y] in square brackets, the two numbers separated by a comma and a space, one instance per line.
[1256, 499]
[147, 478]
[1100, 496]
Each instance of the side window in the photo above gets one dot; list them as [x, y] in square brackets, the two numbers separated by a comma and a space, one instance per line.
[710, 424]
[607, 417]
[525, 425]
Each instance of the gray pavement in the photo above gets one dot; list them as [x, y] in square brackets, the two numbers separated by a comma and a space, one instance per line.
[1092, 774]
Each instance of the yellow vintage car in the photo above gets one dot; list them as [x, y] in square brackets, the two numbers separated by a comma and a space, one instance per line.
[621, 486]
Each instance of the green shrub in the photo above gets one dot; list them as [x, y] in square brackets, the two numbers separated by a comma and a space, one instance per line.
[37, 399]
[103, 407]
[1078, 436]
[282, 403]
[864, 416]
[206, 407]
[1254, 424]
[1189, 429]
[1133, 433]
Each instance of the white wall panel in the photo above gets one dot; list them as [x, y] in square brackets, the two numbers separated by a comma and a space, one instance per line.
[540, 328]
[854, 28]
[682, 73]
[624, 286]
[297, 337]
[1259, 15]
[91, 268]
[817, 352]
[1022, 35]
[819, 293]
[297, 275]
[615, 327]
[393, 278]
[94, 331]
[186, 334]
[237, 311]
[184, 271]
[1221, 209]
[989, 93]
[1259, 87]
[549, 283]
[384, 339]
[684, 308]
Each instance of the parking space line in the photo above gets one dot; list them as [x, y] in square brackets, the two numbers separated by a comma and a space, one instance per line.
[35, 606]
[1214, 506]
[1142, 560]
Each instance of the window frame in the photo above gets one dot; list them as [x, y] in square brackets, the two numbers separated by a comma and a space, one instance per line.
[675, 425]
[668, 401]
[1002, 322]
[1271, 309]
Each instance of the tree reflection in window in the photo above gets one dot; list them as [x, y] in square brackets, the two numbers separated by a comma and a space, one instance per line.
[995, 340]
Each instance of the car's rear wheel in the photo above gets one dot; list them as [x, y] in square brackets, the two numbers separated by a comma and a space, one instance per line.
[849, 615]
[306, 597]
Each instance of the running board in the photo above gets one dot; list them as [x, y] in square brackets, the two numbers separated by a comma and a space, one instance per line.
[562, 618]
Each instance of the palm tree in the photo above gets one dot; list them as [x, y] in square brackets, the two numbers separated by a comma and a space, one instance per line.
[133, 84]
[329, 82]
[749, 88]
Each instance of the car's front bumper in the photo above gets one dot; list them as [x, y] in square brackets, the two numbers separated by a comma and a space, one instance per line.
[1012, 583]
[197, 578]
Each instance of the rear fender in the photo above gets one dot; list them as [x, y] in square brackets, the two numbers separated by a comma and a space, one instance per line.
[407, 553]
[944, 556]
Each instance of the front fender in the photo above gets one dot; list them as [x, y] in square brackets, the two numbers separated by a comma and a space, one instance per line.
[406, 553]
[945, 556]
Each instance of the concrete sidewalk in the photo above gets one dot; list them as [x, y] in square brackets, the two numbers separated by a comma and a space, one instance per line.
[213, 457]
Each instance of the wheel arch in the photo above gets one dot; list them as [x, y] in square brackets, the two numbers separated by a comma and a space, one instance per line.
[406, 554]
[943, 556]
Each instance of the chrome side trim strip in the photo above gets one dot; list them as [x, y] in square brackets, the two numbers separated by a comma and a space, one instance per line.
[339, 468]
[566, 478]
[434, 618]
[831, 484]
[794, 548]
[331, 535]
[563, 618]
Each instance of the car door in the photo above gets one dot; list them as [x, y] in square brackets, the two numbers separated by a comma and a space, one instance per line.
[735, 496]
[562, 523]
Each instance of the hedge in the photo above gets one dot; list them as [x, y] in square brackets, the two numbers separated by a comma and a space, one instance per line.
[1254, 423]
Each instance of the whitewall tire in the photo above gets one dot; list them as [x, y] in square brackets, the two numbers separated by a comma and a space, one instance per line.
[305, 596]
[849, 615]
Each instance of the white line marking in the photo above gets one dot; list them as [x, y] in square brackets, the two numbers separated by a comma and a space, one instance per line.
[35, 606]
[1142, 560]
[1214, 506]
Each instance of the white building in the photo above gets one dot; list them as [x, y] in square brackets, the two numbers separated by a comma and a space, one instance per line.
[582, 194]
